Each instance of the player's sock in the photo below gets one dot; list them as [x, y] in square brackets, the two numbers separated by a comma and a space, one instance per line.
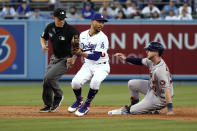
[91, 95]
[77, 94]
[134, 100]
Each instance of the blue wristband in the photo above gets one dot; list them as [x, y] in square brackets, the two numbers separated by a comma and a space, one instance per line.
[78, 55]
[169, 106]
[95, 56]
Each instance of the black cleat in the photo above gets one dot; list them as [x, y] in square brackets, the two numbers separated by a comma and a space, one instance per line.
[155, 112]
[56, 103]
[126, 109]
[54, 108]
[45, 109]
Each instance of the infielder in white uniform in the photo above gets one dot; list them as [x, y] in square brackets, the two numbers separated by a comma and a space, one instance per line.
[94, 45]
[158, 90]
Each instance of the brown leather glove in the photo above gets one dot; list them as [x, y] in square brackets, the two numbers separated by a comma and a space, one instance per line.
[77, 51]
[75, 44]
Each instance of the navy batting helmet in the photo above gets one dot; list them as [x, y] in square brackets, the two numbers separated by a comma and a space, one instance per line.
[155, 46]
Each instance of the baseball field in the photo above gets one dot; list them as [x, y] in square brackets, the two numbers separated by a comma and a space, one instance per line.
[20, 103]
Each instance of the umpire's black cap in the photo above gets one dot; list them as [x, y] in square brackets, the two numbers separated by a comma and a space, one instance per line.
[60, 13]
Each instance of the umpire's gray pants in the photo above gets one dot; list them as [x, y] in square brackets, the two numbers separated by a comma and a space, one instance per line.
[55, 69]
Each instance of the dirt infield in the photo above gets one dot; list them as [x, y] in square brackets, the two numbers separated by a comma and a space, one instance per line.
[181, 113]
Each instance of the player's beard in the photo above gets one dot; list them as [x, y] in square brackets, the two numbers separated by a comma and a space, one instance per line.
[97, 30]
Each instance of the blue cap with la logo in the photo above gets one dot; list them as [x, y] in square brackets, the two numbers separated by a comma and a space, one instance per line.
[99, 17]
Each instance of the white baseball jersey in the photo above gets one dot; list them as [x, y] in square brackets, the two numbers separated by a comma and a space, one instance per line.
[160, 77]
[91, 70]
[98, 42]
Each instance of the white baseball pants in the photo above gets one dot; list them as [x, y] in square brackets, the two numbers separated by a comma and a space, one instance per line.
[95, 73]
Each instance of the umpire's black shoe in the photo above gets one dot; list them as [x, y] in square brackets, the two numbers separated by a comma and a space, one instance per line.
[45, 109]
[56, 103]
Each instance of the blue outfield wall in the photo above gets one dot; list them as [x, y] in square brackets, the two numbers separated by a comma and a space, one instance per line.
[34, 61]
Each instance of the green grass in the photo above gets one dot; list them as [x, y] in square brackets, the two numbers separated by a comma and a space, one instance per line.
[82, 124]
[117, 94]
[108, 94]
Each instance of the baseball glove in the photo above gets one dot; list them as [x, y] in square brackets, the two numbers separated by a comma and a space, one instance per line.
[75, 44]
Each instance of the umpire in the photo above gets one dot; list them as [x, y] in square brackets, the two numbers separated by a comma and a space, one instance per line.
[61, 36]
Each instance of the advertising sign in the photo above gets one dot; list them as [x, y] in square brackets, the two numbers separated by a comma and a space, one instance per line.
[12, 50]
[179, 41]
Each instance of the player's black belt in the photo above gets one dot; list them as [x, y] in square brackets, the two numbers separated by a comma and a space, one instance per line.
[102, 63]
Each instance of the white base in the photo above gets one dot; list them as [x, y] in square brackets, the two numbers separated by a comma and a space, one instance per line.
[115, 112]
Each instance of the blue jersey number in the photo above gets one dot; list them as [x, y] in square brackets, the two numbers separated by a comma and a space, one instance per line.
[102, 45]
[4, 48]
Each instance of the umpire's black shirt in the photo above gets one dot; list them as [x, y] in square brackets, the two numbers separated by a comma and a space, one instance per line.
[60, 38]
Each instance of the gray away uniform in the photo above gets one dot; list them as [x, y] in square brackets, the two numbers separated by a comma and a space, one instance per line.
[153, 89]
